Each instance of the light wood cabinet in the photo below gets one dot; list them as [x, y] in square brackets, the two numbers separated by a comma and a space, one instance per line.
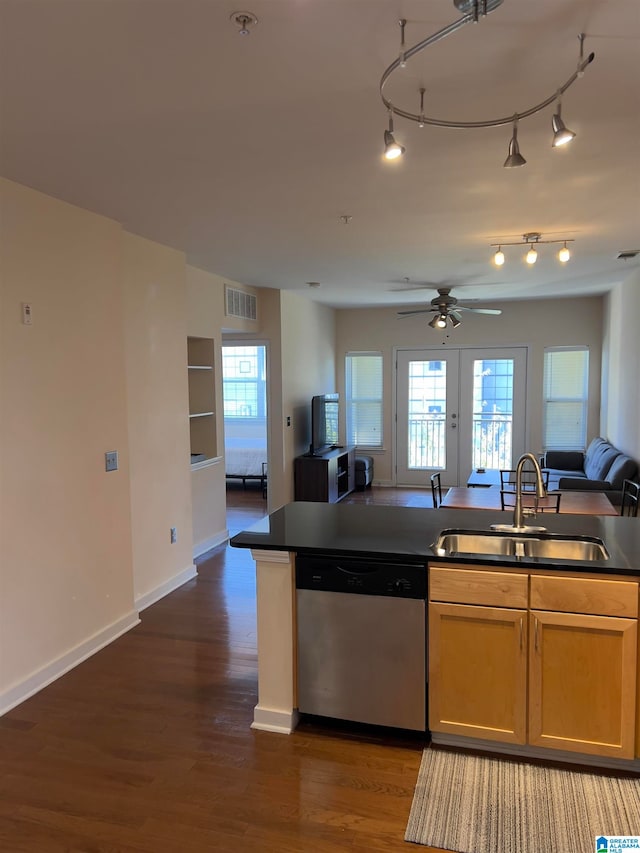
[582, 681]
[202, 422]
[565, 679]
[478, 671]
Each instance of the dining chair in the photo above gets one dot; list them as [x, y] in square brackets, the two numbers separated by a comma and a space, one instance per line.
[436, 489]
[549, 503]
[629, 504]
[508, 479]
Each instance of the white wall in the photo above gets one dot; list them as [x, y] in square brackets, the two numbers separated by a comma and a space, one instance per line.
[308, 368]
[620, 383]
[157, 403]
[66, 574]
[535, 324]
[102, 367]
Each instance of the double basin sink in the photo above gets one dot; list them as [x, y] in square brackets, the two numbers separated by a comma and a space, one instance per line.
[454, 542]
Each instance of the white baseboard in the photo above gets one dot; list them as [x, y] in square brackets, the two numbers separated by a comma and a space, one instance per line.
[35, 682]
[149, 598]
[272, 720]
[211, 542]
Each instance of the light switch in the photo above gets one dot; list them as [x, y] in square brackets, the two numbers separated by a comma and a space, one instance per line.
[111, 460]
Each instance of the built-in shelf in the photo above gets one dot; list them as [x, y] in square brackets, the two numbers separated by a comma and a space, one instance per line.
[202, 422]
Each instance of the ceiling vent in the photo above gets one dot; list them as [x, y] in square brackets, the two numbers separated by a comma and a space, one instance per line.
[627, 255]
[239, 304]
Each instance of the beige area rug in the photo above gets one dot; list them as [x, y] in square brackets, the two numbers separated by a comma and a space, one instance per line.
[475, 804]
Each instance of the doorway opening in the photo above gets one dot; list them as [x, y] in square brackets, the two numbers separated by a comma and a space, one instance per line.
[246, 449]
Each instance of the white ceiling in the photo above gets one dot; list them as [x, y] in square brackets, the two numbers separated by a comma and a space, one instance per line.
[246, 151]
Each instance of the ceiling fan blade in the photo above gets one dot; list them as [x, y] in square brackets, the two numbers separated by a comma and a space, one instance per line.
[418, 311]
[495, 311]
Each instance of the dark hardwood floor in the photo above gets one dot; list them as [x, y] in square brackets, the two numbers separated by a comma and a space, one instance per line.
[147, 745]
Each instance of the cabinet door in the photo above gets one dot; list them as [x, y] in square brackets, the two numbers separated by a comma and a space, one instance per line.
[582, 686]
[478, 671]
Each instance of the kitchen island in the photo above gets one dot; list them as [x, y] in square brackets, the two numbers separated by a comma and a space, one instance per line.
[543, 630]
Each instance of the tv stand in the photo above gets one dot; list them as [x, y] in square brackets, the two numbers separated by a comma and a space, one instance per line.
[327, 477]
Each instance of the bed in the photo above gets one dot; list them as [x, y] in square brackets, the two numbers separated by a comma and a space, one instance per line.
[246, 459]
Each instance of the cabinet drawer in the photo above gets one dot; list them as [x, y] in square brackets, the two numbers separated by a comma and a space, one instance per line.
[584, 595]
[467, 586]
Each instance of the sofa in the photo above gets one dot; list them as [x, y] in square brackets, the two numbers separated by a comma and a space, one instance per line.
[601, 468]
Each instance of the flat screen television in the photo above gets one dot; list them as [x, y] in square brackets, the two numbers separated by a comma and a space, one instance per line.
[325, 411]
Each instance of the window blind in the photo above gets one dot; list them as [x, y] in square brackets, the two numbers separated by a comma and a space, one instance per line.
[566, 380]
[364, 399]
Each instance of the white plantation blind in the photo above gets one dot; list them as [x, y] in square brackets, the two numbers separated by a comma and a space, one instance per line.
[566, 383]
[364, 398]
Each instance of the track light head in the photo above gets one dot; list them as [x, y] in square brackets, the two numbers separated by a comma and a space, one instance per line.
[392, 149]
[561, 134]
[514, 157]
[498, 258]
[564, 254]
[531, 257]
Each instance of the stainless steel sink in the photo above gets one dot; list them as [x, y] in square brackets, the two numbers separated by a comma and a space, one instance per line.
[549, 546]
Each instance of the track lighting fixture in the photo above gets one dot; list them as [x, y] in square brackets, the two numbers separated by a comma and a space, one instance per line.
[561, 134]
[472, 11]
[514, 158]
[392, 150]
[532, 239]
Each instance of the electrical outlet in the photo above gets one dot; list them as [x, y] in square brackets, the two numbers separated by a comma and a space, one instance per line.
[111, 460]
[174, 535]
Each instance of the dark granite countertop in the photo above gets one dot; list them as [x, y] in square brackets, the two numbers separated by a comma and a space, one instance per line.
[407, 533]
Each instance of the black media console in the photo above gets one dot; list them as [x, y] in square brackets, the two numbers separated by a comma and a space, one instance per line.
[327, 477]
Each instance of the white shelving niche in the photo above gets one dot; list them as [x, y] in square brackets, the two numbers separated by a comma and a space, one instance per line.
[202, 421]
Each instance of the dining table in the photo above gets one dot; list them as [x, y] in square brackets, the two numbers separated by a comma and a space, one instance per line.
[578, 503]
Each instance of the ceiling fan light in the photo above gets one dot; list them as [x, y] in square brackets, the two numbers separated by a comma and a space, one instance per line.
[531, 257]
[498, 258]
[564, 254]
[433, 322]
[441, 321]
[455, 321]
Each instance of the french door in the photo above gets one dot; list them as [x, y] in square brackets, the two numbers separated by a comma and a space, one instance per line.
[458, 410]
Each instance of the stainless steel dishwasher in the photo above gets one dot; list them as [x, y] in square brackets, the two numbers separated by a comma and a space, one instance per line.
[361, 640]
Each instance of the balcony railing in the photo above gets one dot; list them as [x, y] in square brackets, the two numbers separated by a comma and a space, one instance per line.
[491, 441]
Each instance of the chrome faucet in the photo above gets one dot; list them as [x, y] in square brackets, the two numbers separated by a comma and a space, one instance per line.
[518, 525]
[518, 512]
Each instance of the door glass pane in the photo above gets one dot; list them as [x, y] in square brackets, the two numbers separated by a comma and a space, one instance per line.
[427, 414]
[492, 416]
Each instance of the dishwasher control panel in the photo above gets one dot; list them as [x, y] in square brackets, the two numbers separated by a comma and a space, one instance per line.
[363, 576]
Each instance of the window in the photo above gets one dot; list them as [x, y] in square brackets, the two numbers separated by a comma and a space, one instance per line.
[244, 381]
[364, 399]
[566, 379]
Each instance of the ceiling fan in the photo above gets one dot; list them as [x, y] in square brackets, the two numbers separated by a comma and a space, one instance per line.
[446, 307]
